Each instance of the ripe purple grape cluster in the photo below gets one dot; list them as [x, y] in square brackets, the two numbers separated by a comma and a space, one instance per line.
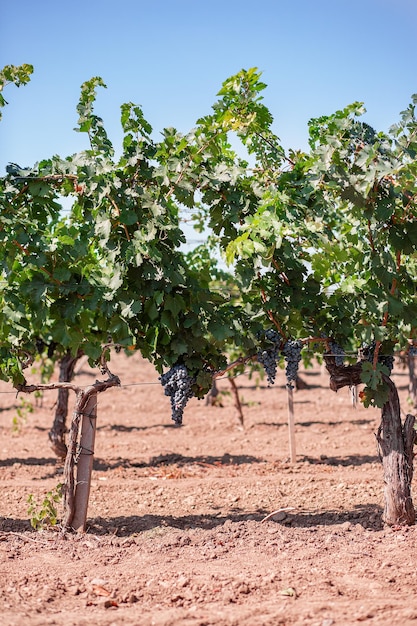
[412, 351]
[292, 353]
[338, 353]
[385, 359]
[177, 385]
[388, 361]
[269, 356]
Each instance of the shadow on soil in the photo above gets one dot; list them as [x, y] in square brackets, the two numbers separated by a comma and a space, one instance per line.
[179, 460]
[359, 422]
[121, 428]
[165, 460]
[28, 461]
[367, 516]
[157, 461]
[345, 461]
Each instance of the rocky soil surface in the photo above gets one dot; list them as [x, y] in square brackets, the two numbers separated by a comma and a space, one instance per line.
[207, 524]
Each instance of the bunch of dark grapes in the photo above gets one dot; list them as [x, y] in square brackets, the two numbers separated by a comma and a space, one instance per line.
[388, 361]
[268, 357]
[41, 345]
[292, 353]
[412, 351]
[368, 352]
[177, 385]
[337, 352]
[385, 359]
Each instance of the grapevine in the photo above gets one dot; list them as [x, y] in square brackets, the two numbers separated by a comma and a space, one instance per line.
[335, 235]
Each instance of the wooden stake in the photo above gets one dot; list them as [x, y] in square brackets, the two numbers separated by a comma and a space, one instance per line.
[291, 425]
[85, 464]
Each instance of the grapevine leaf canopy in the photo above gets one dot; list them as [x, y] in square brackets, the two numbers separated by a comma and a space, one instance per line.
[322, 244]
[112, 267]
[329, 237]
[12, 74]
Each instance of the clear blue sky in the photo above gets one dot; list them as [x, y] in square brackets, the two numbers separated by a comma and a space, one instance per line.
[171, 56]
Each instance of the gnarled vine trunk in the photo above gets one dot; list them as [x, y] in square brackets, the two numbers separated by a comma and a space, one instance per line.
[395, 441]
[80, 453]
[59, 428]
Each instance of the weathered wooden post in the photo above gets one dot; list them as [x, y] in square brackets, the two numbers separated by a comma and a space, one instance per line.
[85, 458]
[77, 490]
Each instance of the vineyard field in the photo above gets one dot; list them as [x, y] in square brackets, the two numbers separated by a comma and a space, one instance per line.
[177, 533]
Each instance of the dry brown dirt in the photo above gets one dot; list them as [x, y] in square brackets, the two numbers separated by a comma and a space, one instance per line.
[176, 525]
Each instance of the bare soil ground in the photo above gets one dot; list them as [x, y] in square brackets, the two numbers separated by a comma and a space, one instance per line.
[177, 532]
